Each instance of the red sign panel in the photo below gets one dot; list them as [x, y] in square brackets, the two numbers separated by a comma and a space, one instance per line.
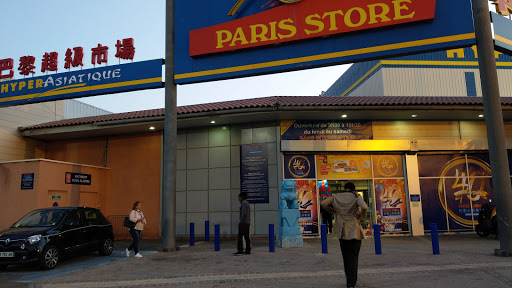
[307, 19]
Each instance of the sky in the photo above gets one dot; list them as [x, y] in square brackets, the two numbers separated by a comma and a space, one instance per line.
[34, 27]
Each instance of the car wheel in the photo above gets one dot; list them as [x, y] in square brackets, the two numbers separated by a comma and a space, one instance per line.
[49, 257]
[107, 247]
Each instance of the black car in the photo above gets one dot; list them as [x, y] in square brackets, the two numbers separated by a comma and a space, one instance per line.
[44, 235]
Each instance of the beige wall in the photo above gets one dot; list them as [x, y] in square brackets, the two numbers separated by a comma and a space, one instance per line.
[49, 180]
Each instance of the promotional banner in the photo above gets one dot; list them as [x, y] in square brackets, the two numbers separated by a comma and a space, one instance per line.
[226, 39]
[326, 130]
[391, 205]
[308, 221]
[343, 167]
[461, 185]
[83, 83]
[387, 166]
[299, 166]
[254, 172]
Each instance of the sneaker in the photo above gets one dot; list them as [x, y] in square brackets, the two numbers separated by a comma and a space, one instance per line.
[127, 252]
[138, 255]
[238, 253]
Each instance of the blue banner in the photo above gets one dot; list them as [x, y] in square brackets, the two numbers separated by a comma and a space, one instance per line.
[299, 166]
[451, 27]
[326, 130]
[254, 172]
[83, 83]
[502, 33]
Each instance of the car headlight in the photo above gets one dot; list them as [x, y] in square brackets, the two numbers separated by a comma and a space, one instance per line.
[34, 239]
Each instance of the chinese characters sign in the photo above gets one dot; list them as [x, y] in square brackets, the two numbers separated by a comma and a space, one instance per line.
[73, 58]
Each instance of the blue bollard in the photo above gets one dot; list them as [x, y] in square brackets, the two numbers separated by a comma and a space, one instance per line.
[192, 240]
[271, 244]
[376, 239]
[206, 231]
[217, 237]
[323, 230]
[435, 238]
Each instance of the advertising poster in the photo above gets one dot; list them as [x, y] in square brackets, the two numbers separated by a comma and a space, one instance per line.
[432, 210]
[387, 166]
[299, 166]
[254, 172]
[462, 185]
[326, 130]
[343, 167]
[391, 205]
[27, 181]
[308, 221]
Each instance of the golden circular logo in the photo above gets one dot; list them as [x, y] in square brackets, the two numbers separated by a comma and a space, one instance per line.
[465, 186]
[387, 166]
[299, 166]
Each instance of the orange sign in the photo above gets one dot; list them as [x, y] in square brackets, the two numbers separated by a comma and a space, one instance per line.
[307, 19]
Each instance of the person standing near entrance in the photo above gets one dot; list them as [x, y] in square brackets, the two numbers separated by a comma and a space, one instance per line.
[349, 208]
[138, 218]
[243, 225]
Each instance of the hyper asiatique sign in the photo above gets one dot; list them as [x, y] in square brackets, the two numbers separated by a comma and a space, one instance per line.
[228, 38]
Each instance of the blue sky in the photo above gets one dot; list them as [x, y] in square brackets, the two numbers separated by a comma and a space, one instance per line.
[33, 27]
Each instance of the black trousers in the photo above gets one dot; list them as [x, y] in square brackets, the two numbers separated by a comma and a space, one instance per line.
[243, 232]
[135, 243]
[350, 251]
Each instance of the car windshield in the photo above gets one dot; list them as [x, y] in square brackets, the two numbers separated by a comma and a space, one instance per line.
[41, 218]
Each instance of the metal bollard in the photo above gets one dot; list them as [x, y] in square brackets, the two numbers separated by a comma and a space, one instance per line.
[192, 240]
[435, 238]
[217, 237]
[206, 231]
[323, 230]
[271, 244]
[376, 239]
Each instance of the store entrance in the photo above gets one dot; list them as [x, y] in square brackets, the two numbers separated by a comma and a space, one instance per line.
[363, 188]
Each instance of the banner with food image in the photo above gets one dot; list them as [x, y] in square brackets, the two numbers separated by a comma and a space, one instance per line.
[391, 205]
[343, 167]
[308, 221]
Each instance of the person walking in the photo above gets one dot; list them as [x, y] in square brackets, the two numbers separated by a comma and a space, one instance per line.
[243, 225]
[138, 218]
[348, 207]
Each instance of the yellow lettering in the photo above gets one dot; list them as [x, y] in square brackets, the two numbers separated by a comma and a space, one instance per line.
[284, 26]
[475, 51]
[273, 30]
[319, 24]
[221, 40]
[459, 52]
[398, 10]
[362, 18]
[30, 84]
[239, 36]
[383, 15]
[255, 35]
[13, 86]
[39, 83]
[332, 16]
[22, 84]
[5, 88]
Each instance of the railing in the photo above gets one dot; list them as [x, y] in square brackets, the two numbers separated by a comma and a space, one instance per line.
[120, 232]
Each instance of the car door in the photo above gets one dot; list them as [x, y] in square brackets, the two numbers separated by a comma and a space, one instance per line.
[71, 237]
[91, 224]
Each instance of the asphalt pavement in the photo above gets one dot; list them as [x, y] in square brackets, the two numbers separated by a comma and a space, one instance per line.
[465, 261]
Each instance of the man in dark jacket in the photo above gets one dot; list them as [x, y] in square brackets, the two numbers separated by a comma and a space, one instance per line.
[243, 225]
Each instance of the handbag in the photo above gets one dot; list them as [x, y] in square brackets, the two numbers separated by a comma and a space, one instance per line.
[128, 223]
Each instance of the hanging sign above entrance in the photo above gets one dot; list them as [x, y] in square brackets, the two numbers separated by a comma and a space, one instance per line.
[229, 39]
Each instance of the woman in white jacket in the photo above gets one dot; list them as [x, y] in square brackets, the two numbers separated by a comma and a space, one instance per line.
[137, 217]
[348, 208]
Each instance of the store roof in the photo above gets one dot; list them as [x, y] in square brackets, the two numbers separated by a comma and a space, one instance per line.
[287, 103]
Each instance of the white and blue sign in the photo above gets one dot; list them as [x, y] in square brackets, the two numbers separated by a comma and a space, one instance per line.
[502, 33]
[83, 83]
[27, 181]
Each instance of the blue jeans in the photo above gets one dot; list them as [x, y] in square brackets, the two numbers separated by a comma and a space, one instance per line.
[135, 243]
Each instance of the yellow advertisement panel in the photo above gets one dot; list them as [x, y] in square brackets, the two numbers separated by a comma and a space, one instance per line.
[343, 167]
